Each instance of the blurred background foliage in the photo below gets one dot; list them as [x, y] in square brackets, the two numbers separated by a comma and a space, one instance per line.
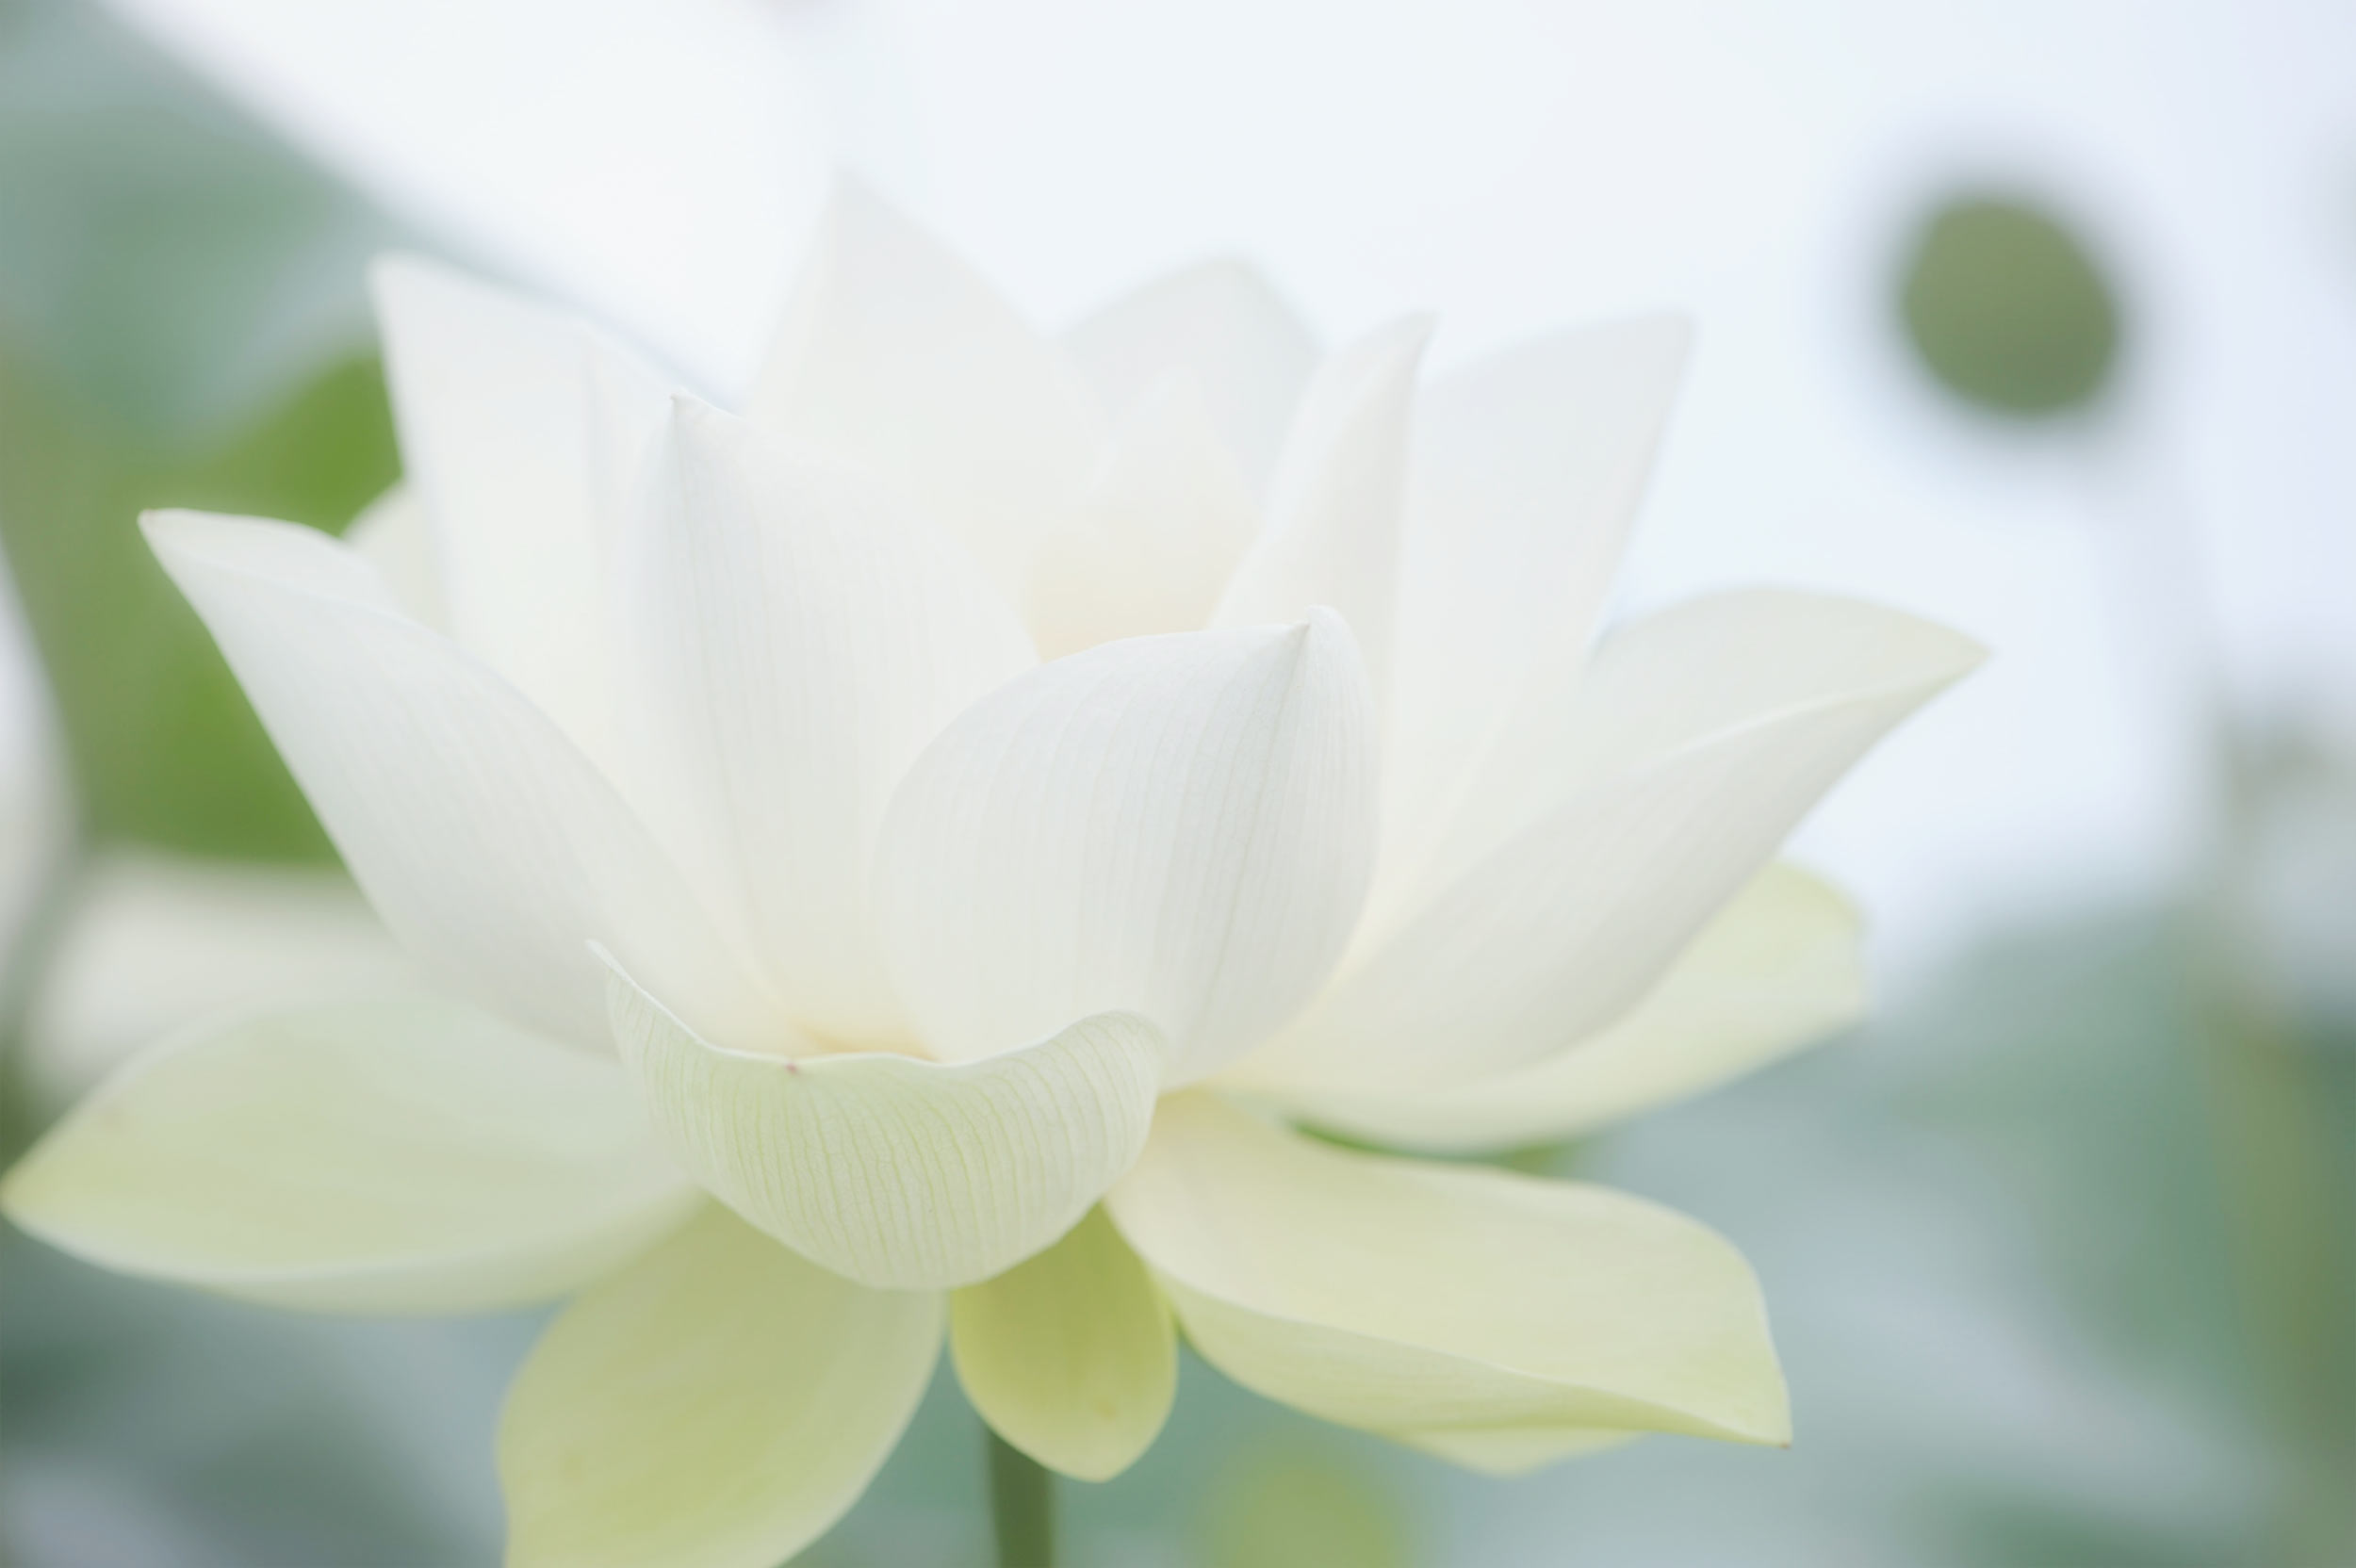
[2058, 1253]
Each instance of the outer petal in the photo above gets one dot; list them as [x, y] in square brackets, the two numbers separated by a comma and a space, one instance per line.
[1779, 968]
[897, 358]
[1153, 545]
[393, 1156]
[1334, 510]
[798, 641]
[717, 1405]
[899, 1173]
[1444, 1303]
[491, 846]
[196, 938]
[1513, 1450]
[1070, 1356]
[1177, 825]
[1222, 323]
[1699, 739]
[1526, 470]
[514, 420]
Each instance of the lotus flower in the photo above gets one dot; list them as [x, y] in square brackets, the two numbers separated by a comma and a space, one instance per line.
[913, 857]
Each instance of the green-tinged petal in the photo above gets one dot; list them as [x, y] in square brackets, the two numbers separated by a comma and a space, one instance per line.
[1439, 1303]
[204, 938]
[899, 1173]
[718, 1404]
[1070, 1356]
[1779, 968]
[392, 1156]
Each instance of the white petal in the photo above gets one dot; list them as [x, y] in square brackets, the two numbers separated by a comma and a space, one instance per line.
[1426, 1300]
[515, 423]
[395, 535]
[896, 1172]
[1226, 325]
[393, 1156]
[1699, 740]
[1180, 826]
[1334, 506]
[1780, 966]
[1153, 543]
[718, 1404]
[1525, 472]
[1070, 1356]
[897, 358]
[489, 844]
[796, 642]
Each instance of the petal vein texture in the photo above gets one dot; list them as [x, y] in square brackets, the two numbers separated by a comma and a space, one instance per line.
[899, 1173]
[797, 641]
[1180, 826]
[493, 848]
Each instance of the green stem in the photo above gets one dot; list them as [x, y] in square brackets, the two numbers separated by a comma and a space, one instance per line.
[1021, 1507]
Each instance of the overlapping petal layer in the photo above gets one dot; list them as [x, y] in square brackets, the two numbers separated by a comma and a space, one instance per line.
[394, 1156]
[515, 423]
[718, 1404]
[1335, 503]
[1070, 1356]
[1151, 545]
[490, 844]
[900, 1173]
[1453, 1305]
[1781, 966]
[796, 639]
[1224, 326]
[1526, 470]
[1178, 826]
[897, 358]
[1692, 746]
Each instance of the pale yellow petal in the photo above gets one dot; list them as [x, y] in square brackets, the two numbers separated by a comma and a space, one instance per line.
[718, 1404]
[1070, 1356]
[1513, 1450]
[896, 1172]
[392, 1156]
[1433, 1301]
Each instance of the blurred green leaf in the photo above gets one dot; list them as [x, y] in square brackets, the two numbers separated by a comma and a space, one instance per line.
[163, 746]
[181, 324]
[2008, 310]
[1287, 1504]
